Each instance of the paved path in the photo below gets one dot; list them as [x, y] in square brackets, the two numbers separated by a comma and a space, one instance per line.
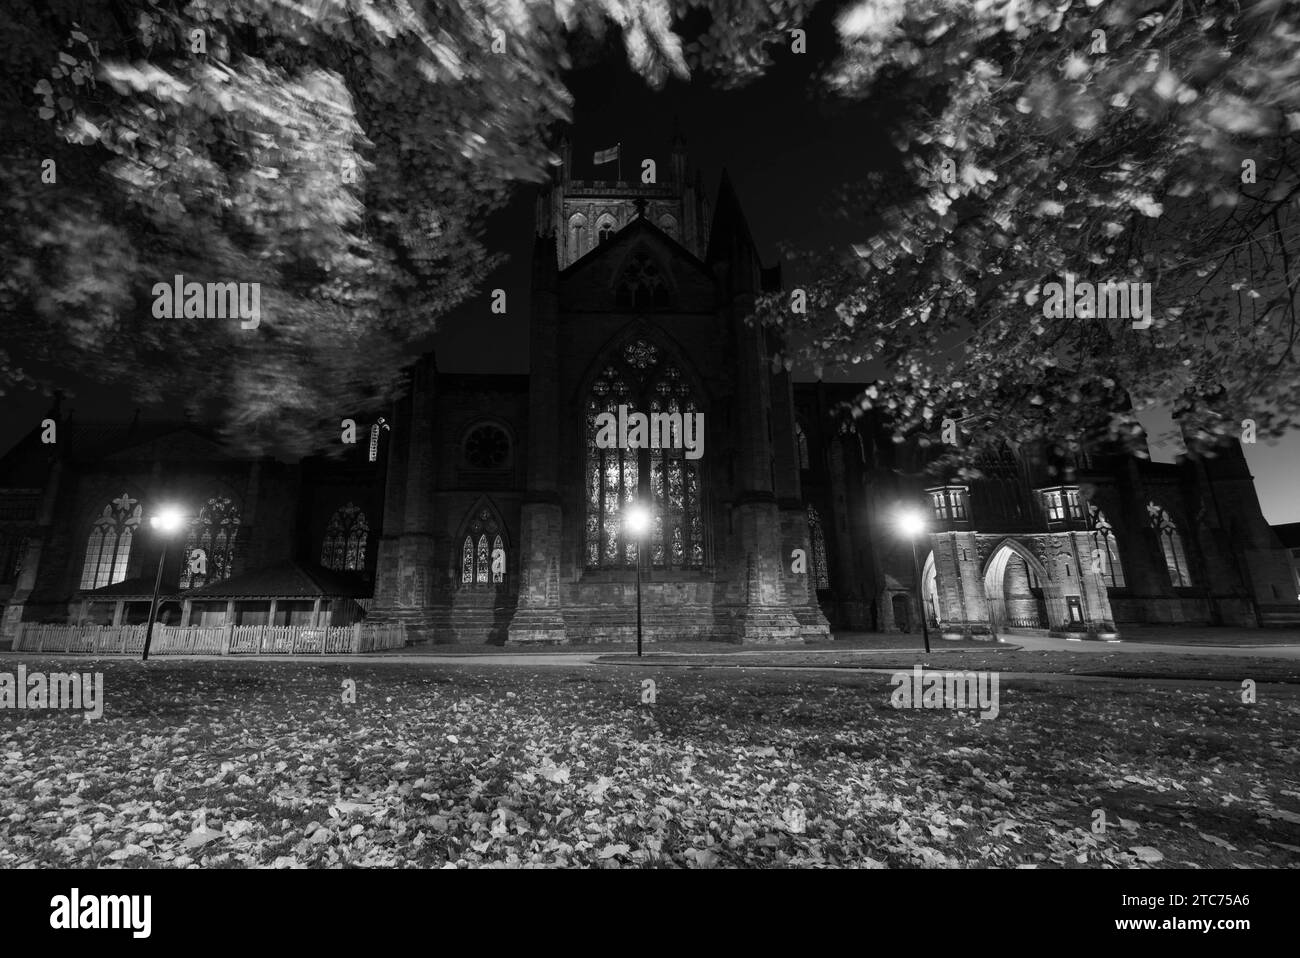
[370, 658]
[1035, 643]
[729, 660]
[1028, 641]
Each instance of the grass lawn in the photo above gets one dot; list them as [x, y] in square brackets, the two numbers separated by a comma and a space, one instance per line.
[230, 764]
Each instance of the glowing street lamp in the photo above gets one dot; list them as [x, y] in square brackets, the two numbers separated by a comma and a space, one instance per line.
[911, 523]
[166, 523]
[637, 520]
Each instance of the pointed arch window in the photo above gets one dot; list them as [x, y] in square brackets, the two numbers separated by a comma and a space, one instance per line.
[483, 551]
[1171, 544]
[210, 545]
[577, 226]
[642, 285]
[108, 549]
[1106, 549]
[346, 536]
[482, 560]
[817, 541]
[606, 227]
[801, 438]
[645, 381]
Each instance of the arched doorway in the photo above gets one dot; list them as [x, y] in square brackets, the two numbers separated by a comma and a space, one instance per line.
[930, 589]
[1013, 586]
[902, 613]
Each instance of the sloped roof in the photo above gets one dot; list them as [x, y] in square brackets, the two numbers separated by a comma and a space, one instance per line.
[27, 461]
[141, 586]
[94, 440]
[285, 580]
[1289, 533]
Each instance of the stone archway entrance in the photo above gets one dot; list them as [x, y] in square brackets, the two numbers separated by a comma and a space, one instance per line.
[930, 590]
[1013, 587]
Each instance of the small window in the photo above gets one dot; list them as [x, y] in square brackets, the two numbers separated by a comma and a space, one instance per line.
[487, 447]
[1106, 550]
[642, 285]
[577, 226]
[210, 546]
[1055, 511]
[1072, 508]
[1171, 544]
[483, 551]
[605, 229]
[346, 534]
[958, 502]
[949, 504]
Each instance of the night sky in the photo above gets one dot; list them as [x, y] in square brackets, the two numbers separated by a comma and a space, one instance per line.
[787, 146]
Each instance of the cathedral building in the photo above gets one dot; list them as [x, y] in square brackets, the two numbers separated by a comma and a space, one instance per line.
[488, 510]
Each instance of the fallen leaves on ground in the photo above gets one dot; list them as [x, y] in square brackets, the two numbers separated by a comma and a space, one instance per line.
[259, 764]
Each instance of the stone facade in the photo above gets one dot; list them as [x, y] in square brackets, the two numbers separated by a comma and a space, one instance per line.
[56, 496]
[660, 294]
[1079, 547]
[491, 515]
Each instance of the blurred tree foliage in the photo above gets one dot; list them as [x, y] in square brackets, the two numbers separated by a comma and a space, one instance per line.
[1109, 139]
[346, 153]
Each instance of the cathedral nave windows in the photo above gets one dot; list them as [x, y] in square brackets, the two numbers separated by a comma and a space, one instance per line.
[108, 547]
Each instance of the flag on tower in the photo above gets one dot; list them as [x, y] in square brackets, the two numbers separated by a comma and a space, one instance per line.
[606, 156]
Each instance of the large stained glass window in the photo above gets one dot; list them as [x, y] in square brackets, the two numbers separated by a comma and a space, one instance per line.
[345, 540]
[642, 379]
[817, 540]
[108, 550]
[210, 545]
[1106, 549]
[1171, 544]
[483, 551]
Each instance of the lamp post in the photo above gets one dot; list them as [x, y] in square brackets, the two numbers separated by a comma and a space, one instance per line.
[166, 522]
[638, 523]
[912, 524]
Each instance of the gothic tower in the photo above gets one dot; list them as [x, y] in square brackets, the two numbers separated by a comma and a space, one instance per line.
[641, 305]
[583, 213]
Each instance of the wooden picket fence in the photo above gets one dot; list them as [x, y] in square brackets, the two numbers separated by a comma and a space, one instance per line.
[209, 639]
